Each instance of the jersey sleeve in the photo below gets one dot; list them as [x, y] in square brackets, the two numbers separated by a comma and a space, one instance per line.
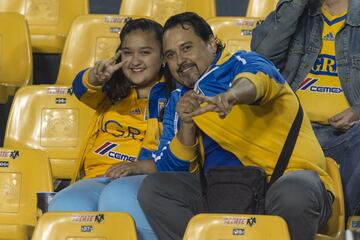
[166, 157]
[261, 72]
[91, 95]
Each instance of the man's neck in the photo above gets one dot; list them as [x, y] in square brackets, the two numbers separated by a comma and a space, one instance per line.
[335, 7]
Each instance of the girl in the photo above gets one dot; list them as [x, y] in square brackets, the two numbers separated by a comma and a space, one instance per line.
[128, 93]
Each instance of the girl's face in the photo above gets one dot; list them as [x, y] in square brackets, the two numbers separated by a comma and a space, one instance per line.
[142, 53]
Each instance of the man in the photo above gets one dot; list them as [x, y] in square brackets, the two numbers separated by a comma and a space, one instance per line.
[246, 120]
[316, 46]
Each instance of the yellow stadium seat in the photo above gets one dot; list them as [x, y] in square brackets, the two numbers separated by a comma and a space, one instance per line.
[23, 173]
[236, 226]
[354, 223]
[49, 20]
[91, 38]
[52, 119]
[334, 229]
[15, 54]
[85, 225]
[161, 10]
[260, 8]
[234, 32]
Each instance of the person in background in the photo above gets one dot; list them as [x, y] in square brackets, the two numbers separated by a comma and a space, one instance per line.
[128, 93]
[316, 46]
[233, 110]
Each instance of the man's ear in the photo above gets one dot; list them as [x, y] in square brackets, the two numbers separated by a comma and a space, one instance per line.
[212, 45]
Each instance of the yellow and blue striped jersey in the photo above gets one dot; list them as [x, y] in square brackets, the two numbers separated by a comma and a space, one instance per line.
[320, 93]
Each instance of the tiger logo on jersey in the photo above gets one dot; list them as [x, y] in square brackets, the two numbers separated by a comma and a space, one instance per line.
[161, 107]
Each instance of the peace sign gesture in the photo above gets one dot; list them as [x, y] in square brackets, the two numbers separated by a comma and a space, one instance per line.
[104, 69]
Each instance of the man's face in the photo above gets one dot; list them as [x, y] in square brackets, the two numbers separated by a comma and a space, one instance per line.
[187, 55]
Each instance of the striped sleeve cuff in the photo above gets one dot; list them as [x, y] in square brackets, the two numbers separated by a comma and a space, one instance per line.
[87, 84]
[182, 152]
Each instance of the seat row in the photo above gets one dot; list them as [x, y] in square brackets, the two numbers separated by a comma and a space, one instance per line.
[50, 21]
[91, 38]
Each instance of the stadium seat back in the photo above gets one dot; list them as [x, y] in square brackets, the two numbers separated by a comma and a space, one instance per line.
[260, 8]
[334, 229]
[91, 38]
[52, 119]
[49, 20]
[234, 32]
[15, 54]
[235, 226]
[12, 6]
[161, 10]
[85, 225]
[23, 173]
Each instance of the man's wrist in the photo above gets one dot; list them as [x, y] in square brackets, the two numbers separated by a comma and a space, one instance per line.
[231, 97]
[187, 133]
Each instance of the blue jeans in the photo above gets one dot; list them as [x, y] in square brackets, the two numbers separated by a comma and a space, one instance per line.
[344, 148]
[105, 195]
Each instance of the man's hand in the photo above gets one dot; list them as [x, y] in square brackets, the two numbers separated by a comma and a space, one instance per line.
[131, 168]
[344, 120]
[104, 69]
[242, 91]
[222, 104]
[187, 104]
[184, 108]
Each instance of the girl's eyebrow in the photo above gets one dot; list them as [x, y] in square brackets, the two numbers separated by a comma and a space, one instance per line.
[146, 47]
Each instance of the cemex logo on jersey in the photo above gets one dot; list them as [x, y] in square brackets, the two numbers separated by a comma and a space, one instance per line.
[105, 149]
[309, 85]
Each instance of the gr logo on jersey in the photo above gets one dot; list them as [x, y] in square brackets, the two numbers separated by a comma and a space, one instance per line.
[105, 149]
[117, 130]
[309, 85]
[325, 65]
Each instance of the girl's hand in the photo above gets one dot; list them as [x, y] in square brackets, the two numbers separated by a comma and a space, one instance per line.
[104, 69]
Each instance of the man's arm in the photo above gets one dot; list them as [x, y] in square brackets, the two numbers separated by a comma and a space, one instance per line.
[255, 81]
[171, 154]
[185, 107]
[272, 37]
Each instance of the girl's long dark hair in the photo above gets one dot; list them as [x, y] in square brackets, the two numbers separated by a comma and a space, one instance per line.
[119, 87]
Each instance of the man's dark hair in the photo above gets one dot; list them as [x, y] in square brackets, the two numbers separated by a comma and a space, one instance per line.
[199, 25]
[119, 87]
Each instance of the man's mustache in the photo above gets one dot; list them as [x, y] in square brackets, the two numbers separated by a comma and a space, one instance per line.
[185, 66]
